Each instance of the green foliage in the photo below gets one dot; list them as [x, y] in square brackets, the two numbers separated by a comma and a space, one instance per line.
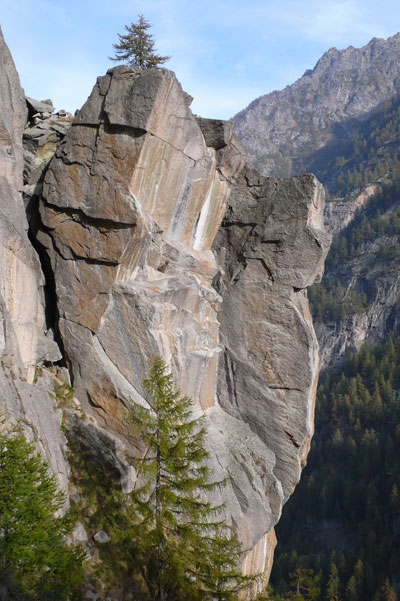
[103, 506]
[305, 584]
[178, 540]
[330, 301]
[381, 217]
[63, 394]
[372, 239]
[168, 541]
[386, 592]
[136, 47]
[35, 562]
[333, 584]
[343, 517]
[361, 152]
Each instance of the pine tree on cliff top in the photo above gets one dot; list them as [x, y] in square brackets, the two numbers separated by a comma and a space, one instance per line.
[177, 539]
[136, 47]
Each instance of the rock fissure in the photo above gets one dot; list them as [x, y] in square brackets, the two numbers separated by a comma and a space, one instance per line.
[95, 149]
[88, 260]
[181, 151]
[85, 220]
[292, 439]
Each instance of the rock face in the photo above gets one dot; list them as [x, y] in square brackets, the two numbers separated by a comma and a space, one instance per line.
[280, 129]
[22, 316]
[339, 120]
[270, 253]
[157, 239]
[132, 203]
[373, 271]
[338, 214]
[20, 273]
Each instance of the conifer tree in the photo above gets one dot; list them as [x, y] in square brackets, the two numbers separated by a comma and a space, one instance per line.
[177, 539]
[136, 47]
[35, 562]
[385, 592]
[333, 585]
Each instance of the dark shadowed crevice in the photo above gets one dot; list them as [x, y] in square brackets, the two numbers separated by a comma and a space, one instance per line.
[50, 297]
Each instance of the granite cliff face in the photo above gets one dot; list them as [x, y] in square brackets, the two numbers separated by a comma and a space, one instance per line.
[156, 239]
[22, 316]
[340, 121]
[282, 128]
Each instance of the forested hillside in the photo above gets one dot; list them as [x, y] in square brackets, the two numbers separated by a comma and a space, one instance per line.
[368, 247]
[358, 298]
[343, 521]
[370, 154]
[283, 129]
[339, 537]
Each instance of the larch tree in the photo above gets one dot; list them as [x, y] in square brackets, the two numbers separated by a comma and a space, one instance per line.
[178, 542]
[136, 47]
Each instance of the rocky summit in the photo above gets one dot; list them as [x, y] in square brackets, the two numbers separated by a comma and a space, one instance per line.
[281, 129]
[150, 235]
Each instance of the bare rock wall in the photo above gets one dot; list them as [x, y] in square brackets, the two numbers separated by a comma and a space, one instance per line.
[24, 394]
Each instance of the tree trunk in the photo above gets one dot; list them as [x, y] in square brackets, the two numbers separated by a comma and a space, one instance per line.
[160, 547]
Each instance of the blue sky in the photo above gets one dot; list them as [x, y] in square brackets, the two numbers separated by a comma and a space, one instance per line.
[225, 53]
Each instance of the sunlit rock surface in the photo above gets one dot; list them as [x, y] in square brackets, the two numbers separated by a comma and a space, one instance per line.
[157, 239]
[19, 276]
[24, 395]
[271, 245]
[132, 209]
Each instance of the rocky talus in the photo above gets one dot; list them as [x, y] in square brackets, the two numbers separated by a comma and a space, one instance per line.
[156, 238]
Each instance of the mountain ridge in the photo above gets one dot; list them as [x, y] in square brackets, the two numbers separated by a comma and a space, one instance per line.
[344, 85]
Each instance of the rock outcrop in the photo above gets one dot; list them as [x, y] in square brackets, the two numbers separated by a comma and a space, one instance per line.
[338, 214]
[24, 394]
[131, 207]
[372, 272]
[19, 280]
[157, 239]
[270, 253]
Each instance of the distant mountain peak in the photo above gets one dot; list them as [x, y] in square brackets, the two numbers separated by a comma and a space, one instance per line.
[344, 85]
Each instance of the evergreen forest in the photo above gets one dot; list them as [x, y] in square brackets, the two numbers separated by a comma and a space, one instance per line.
[339, 536]
[343, 521]
[362, 151]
